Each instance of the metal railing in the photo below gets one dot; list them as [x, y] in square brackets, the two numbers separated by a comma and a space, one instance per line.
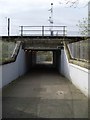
[43, 30]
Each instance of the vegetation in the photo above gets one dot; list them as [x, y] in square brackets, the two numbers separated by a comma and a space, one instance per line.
[45, 56]
[6, 50]
[83, 26]
[73, 3]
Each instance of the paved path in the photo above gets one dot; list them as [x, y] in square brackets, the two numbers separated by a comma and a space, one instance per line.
[43, 94]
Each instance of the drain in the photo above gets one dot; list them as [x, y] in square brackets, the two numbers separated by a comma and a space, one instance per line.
[60, 92]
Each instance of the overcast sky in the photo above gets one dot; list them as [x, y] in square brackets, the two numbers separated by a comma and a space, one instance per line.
[35, 12]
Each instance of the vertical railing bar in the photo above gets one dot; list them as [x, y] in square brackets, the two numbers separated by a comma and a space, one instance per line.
[8, 26]
[64, 31]
[42, 30]
[21, 30]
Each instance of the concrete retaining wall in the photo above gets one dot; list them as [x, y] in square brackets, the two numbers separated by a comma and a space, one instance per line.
[13, 70]
[78, 75]
[0, 76]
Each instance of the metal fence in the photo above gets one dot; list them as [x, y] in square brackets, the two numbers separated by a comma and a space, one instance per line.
[80, 50]
[43, 30]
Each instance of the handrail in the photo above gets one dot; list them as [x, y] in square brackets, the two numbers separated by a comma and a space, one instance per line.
[41, 26]
[43, 30]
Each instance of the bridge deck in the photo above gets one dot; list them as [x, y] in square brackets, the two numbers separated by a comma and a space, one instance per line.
[43, 94]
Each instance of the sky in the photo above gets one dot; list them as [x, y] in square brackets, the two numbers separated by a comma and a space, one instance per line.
[35, 12]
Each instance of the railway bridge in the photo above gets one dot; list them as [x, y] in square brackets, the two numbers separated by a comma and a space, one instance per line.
[35, 88]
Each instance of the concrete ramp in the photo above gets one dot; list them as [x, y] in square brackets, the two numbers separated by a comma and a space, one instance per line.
[43, 94]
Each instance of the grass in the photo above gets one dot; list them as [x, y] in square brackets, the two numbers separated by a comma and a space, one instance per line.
[6, 50]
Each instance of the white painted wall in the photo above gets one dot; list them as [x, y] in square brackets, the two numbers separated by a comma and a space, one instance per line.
[13, 70]
[65, 70]
[77, 75]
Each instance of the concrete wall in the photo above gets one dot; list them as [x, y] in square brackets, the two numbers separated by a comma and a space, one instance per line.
[56, 59]
[0, 76]
[13, 70]
[77, 75]
[0, 93]
[89, 18]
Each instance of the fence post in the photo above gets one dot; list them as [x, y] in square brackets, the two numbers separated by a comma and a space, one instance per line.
[42, 30]
[21, 30]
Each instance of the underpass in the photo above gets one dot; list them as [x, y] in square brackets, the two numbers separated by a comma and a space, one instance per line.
[32, 90]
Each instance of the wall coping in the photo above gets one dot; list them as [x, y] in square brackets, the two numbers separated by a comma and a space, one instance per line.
[80, 68]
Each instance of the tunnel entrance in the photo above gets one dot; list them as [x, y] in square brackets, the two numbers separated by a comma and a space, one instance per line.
[44, 57]
[46, 60]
